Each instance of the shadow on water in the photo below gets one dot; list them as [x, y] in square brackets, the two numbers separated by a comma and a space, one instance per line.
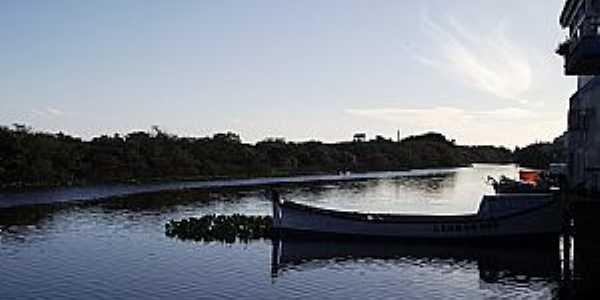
[163, 201]
[583, 247]
[510, 265]
[586, 268]
[159, 202]
[39, 206]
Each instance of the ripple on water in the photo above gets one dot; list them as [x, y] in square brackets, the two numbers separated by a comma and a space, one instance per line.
[94, 253]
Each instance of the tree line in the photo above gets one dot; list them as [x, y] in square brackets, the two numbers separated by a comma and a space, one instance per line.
[35, 159]
[540, 154]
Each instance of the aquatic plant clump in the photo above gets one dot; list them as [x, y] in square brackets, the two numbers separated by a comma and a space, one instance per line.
[221, 228]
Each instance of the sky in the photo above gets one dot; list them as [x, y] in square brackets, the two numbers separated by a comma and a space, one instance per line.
[479, 72]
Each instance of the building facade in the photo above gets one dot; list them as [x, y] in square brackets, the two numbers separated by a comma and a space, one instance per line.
[584, 138]
[581, 51]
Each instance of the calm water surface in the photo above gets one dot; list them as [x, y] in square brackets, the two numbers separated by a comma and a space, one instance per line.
[97, 253]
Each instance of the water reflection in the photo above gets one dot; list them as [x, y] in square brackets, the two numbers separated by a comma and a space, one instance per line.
[118, 250]
[152, 203]
[90, 193]
[506, 265]
[449, 193]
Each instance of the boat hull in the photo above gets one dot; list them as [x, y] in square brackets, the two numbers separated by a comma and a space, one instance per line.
[539, 215]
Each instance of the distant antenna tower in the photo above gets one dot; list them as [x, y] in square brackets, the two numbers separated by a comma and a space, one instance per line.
[398, 136]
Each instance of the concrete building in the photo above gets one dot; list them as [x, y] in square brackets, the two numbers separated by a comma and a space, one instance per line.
[584, 138]
[581, 51]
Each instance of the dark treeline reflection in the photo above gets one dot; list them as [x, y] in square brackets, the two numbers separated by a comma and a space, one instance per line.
[29, 158]
[159, 202]
[167, 200]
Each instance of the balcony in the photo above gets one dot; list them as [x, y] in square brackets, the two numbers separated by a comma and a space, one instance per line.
[582, 49]
[582, 55]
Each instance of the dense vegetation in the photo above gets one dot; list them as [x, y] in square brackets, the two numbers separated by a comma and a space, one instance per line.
[29, 158]
[221, 228]
[539, 155]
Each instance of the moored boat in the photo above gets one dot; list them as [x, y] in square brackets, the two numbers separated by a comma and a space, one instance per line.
[499, 215]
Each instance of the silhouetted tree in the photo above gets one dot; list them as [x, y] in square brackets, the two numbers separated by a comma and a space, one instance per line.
[29, 158]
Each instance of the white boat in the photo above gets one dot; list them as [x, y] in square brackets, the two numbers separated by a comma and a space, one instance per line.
[499, 215]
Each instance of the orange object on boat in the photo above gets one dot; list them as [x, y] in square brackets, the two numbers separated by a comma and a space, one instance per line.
[529, 176]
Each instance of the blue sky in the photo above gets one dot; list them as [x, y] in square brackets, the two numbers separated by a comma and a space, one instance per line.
[481, 72]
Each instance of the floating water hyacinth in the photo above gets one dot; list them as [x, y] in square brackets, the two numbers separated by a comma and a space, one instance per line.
[221, 228]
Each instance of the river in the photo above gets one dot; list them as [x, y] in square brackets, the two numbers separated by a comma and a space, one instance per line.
[99, 253]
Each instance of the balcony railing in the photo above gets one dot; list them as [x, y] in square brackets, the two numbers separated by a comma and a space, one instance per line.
[582, 49]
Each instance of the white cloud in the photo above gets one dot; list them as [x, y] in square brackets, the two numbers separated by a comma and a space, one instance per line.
[54, 111]
[487, 61]
[47, 112]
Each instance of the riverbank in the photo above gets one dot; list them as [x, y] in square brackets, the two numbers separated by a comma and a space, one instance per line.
[35, 159]
[175, 180]
[30, 207]
[90, 193]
